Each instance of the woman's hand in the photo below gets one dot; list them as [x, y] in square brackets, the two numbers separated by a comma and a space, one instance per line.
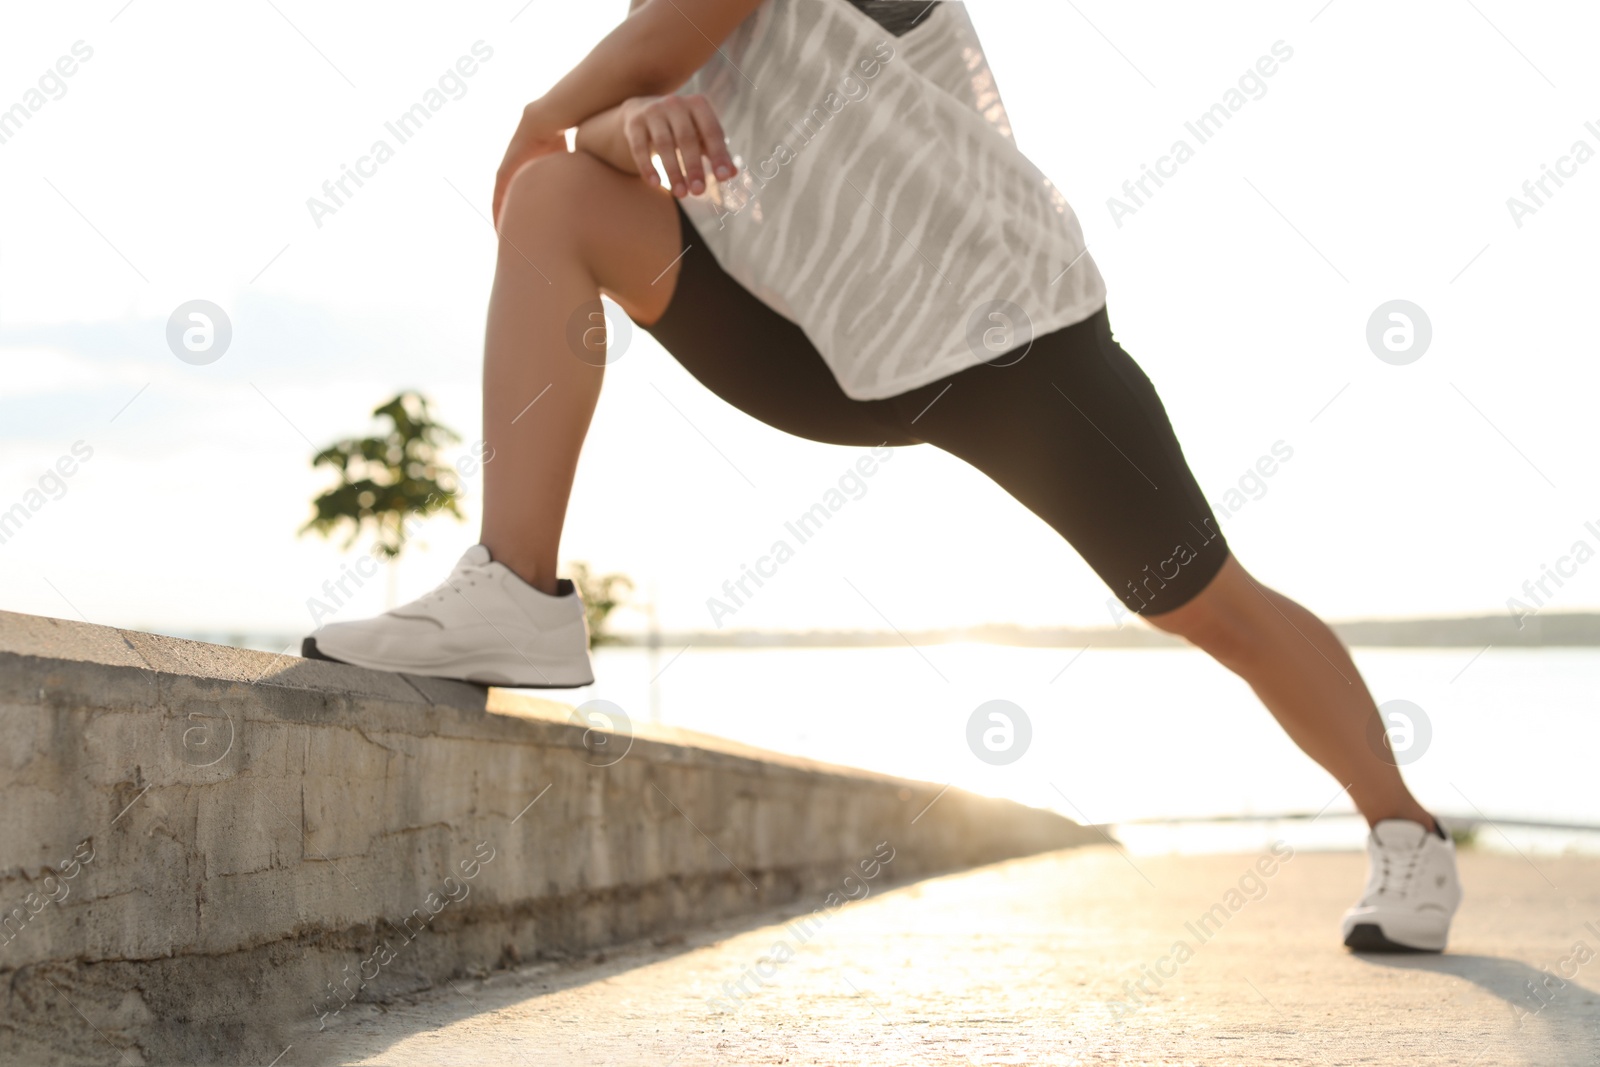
[675, 127]
[532, 140]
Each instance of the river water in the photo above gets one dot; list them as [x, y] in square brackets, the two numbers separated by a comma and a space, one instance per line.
[1126, 736]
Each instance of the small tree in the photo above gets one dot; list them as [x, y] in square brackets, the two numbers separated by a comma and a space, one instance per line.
[386, 479]
[602, 594]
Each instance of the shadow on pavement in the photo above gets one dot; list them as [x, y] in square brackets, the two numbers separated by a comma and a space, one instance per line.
[1557, 1014]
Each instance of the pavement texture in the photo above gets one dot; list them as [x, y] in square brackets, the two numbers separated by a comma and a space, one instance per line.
[1039, 961]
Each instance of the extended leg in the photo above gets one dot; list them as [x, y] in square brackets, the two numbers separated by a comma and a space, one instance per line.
[1302, 673]
[1075, 431]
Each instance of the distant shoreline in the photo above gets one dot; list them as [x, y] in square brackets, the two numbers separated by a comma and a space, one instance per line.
[1577, 630]
[1573, 630]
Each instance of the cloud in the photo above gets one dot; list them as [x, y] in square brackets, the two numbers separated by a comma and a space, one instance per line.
[35, 370]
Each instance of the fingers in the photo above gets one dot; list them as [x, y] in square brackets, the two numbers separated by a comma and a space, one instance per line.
[500, 183]
[666, 147]
[684, 132]
[639, 147]
[713, 141]
[689, 148]
[509, 166]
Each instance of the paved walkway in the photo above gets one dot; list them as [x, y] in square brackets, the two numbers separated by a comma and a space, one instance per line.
[1041, 961]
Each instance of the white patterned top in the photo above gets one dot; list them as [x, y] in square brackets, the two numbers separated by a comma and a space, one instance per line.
[881, 203]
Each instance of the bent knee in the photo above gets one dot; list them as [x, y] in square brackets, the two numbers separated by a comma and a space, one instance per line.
[550, 192]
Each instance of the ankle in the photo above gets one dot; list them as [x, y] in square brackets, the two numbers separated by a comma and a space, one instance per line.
[547, 586]
[543, 580]
[525, 567]
[1410, 813]
[1392, 804]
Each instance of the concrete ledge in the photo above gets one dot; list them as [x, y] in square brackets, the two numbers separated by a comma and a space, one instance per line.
[204, 849]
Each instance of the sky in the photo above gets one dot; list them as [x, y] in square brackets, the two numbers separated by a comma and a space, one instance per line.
[1375, 164]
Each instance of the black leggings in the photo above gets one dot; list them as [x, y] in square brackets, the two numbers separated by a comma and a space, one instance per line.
[1074, 429]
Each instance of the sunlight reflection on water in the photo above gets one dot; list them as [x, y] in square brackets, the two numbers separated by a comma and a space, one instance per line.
[1146, 734]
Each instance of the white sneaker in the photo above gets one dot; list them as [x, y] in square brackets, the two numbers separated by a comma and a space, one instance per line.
[1412, 891]
[484, 625]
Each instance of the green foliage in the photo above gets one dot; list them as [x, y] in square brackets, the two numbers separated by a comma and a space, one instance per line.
[602, 594]
[1465, 837]
[387, 479]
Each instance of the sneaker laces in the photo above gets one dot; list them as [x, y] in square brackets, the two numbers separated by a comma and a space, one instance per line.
[452, 584]
[1391, 881]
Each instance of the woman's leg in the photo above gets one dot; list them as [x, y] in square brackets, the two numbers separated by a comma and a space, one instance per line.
[1303, 674]
[1075, 431]
[571, 228]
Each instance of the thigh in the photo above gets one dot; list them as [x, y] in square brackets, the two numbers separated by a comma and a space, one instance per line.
[759, 361]
[1075, 431]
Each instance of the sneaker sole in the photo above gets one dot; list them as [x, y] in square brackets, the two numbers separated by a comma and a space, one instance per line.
[1369, 937]
[309, 650]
